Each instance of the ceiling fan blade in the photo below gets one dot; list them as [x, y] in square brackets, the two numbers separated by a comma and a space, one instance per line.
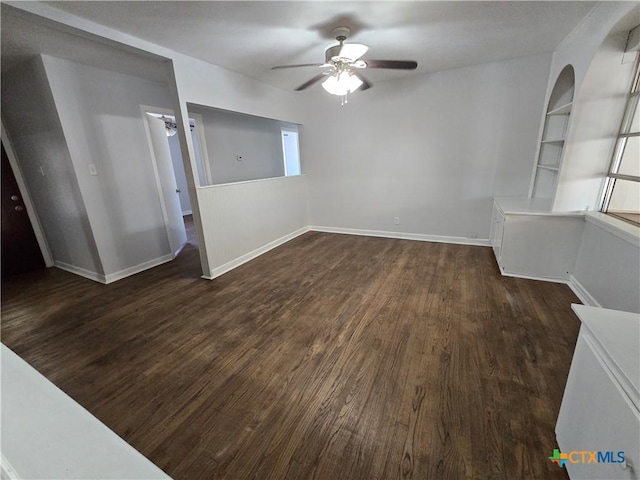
[353, 51]
[310, 82]
[296, 66]
[394, 64]
[366, 84]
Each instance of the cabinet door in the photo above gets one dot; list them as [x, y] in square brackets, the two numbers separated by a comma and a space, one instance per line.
[540, 246]
[596, 415]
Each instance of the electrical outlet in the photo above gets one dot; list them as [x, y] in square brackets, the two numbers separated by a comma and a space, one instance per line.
[396, 220]
[93, 170]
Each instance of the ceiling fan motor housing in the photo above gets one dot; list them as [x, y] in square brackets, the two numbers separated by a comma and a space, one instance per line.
[334, 53]
[341, 33]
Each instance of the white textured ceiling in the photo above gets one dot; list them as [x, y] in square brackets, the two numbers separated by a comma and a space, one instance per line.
[250, 37]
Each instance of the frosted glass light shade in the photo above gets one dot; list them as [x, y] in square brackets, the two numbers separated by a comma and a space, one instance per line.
[342, 84]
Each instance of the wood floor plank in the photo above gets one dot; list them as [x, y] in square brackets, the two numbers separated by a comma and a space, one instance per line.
[332, 356]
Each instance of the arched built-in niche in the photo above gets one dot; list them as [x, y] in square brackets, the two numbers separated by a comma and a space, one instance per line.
[551, 148]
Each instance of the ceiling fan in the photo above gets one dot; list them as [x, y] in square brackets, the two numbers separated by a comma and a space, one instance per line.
[343, 65]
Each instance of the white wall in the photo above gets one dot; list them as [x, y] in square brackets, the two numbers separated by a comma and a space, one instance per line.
[200, 83]
[247, 218]
[432, 150]
[100, 115]
[601, 80]
[228, 135]
[597, 113]
[38, 140]
[608, 266]
[579, 47]
[196, 82]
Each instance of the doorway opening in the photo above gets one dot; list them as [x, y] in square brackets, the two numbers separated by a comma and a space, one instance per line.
[290, 151]
[170, 175]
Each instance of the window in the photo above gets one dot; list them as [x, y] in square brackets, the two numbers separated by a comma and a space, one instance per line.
[621, 197]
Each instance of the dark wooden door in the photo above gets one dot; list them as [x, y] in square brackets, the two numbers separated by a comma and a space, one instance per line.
[20, 249]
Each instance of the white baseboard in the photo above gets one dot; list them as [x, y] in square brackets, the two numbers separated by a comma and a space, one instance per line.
[187, 212]
[534, 277]
[112, 277]
[83, 272]
[222, 269]
[127, 272]
[585, 297]
[404, 236]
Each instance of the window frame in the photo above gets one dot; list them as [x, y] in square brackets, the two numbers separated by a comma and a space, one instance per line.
[624, 133]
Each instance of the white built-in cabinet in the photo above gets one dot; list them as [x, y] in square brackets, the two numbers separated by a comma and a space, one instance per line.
[545, 176]
[530, 241]
[600, 409]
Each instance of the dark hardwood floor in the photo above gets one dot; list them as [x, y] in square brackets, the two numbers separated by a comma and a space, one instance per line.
[330, 357]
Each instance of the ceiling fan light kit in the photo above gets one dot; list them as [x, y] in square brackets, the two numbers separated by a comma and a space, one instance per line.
[342, 84]
[342, 63]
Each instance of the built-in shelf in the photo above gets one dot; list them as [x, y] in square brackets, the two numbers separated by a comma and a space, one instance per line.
[562, 110]
[556, 121]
